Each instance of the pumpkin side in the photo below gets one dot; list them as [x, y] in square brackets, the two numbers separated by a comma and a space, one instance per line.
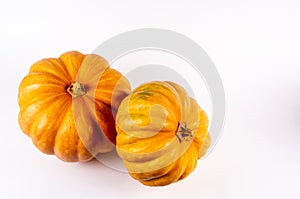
[58, 98]
[167, 154]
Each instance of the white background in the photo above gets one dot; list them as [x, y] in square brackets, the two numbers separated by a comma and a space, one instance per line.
[255, 46]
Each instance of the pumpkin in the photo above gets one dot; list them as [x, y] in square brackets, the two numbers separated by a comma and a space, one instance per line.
[161, 133]
[67, 105]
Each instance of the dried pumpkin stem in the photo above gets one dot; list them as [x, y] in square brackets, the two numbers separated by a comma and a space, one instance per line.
[76, 89]
[184, 133]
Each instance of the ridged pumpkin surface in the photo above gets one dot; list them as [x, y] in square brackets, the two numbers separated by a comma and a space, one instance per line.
[162, 132]
[67, 104]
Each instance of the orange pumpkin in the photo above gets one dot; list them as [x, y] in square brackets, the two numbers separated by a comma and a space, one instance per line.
[67, 104]
[162, 132]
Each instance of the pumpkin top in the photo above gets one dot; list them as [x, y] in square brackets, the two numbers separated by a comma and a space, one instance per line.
[158, 123]
[67, 105]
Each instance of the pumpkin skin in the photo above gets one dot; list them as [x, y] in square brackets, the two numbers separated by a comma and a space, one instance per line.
[162, 132]
[67, 105]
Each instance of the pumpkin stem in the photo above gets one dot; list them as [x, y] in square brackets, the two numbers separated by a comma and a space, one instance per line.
[184, 133]
[76, 89]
